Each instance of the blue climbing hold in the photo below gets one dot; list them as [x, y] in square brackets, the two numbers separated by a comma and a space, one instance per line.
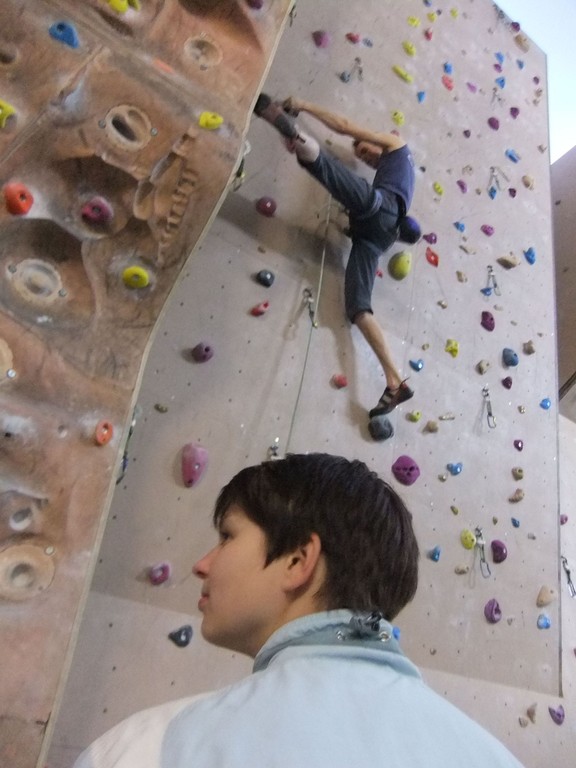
[65, 33]
[511, 155]
[417, 365]
[454, 469]
[509, 357]
[486, 291]
[530, 255]
[460, 226]
[515, 522]
[546, 403]
[448, 68]
[500, 81]
[544, 621]
[492, 192]
[434, 554]
[499, 57]
[182, 636]
[520, 63]
[421, 95]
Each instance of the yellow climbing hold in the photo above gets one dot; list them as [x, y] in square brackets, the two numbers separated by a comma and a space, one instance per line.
[398, 117]
[401, 72]
[454, 13]
[409, 47]
[135, 277]
[6, 111]
[451, 347]
[210, 120]
[414, 416]
[414, 21]
[438, 188]
[120, 6]
[432, 16]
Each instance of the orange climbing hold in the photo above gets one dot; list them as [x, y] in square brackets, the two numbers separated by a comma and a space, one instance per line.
[104, 432]
[18, 198]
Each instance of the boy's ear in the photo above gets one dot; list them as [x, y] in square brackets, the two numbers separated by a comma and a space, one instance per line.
[303, 564]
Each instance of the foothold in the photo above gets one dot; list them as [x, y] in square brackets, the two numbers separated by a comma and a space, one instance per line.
[159, 573]
[455, 469]
[339, 380]
[18, 198]
[487, 229]
[461, 277]
[6, 111]
[494, 123]
[512, 155]
[182, 636]
[135, 277]
[104, 432]
[409, 47]
[521, 409]
[266, 206]
[531, 712]
[471, 87]
[523, 722]
[454, 510]
[431, 426]
[488, 321]
[405, 470]
[443, 303]
[414, 416]
[543, 621]
[398, 117]
[160, 408]
[380, 428]
[265, 278]
[509, 357]
[468, 539]
[546, 596]
[514, 112]
[442, 478]
[438, 188]
[322, 39]
[517, 496]
[451, 347]
[447, 417]
[530, 255]
[482, 366]
[517, 473]
[528, 182]
[345, 76]
[518, 444]
[260, 309]
[512, 192]
[194, 462]
[467, 133]
[563, 519]
[413, 21]
[402, 74]
[400, 264]
[515, 522]
[97, 211]
[65, 33]
[431, 238]
[428, 34]
[417, 365]
[202, 352]
[432, 257]
[210, 120]
[528, 347]
[546, 404]
[492, 611]
[461, 570]
[557, 714]
[434, 554]
[367, 42]
[353, 37]
[499, 551]
[508, 262]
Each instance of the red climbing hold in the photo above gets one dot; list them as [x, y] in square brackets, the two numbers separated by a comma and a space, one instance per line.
[432, 257]
[339, 380]
[353, 37]
[260, 309]
[18, 198]
[266, 206]
[159, 573]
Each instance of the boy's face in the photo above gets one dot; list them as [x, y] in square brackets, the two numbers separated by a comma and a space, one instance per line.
[242, 601]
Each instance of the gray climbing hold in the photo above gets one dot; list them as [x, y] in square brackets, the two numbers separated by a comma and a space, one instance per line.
[380, 428]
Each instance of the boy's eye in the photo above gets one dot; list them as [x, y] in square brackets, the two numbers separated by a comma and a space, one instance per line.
[223, 536]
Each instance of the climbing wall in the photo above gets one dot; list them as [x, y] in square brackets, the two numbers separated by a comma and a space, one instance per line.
[241, 371]
[121, 125]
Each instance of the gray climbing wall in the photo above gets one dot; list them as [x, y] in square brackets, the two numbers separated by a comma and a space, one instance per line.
[269, 382]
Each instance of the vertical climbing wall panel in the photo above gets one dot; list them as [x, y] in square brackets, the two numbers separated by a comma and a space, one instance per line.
[120, 129]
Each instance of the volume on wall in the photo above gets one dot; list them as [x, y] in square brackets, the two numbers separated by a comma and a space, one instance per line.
[121, 124]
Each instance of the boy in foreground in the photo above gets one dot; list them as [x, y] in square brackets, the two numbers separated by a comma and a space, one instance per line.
[316, 556]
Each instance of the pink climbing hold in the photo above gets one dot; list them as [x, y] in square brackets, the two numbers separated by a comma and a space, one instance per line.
[97, 211]
[159, 573]
[462, 186]
[353, 37]
[430, 238]
[563, 519]
[494, 123]
[471, 87]
[260, 309]
[266, 206]
[194, 461]
[339, 380]
[448, 82]
[487, 229]
[321, 38]
[428, 34]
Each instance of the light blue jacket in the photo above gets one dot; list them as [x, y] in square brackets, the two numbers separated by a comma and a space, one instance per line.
[330, 690]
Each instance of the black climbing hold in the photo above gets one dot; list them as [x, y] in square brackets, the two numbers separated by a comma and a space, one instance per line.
[181, 637]
[265, 277]
[380, 428]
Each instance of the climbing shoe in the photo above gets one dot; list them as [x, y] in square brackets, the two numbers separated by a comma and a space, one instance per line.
[391, 398]
[273, 113]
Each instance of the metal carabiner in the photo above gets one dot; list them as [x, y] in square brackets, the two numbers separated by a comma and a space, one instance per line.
[490, 418]
[571, 587]
[309, 302]
[491, 282]
[480, 544]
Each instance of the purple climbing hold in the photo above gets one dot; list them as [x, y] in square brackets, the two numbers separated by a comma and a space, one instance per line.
[405, 470]
[487, 229]
[97, 211]
[256, 4]
[194, 461]
[563, 519]
[266, 206]
[202, 352]
[321, 38]
[492, 611]
[499, 551]
[182, 636]
[514, 111]
[518, 444]
[159, 573]
[471, 87]
[512, 192]
[462, 185]
[494, 123]
[430, 238]
[507, 382]
[488, 321]
[557, 714]
[467, 133]
[515, 26]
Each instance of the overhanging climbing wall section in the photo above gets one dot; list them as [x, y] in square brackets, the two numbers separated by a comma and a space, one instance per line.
[121, 125]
